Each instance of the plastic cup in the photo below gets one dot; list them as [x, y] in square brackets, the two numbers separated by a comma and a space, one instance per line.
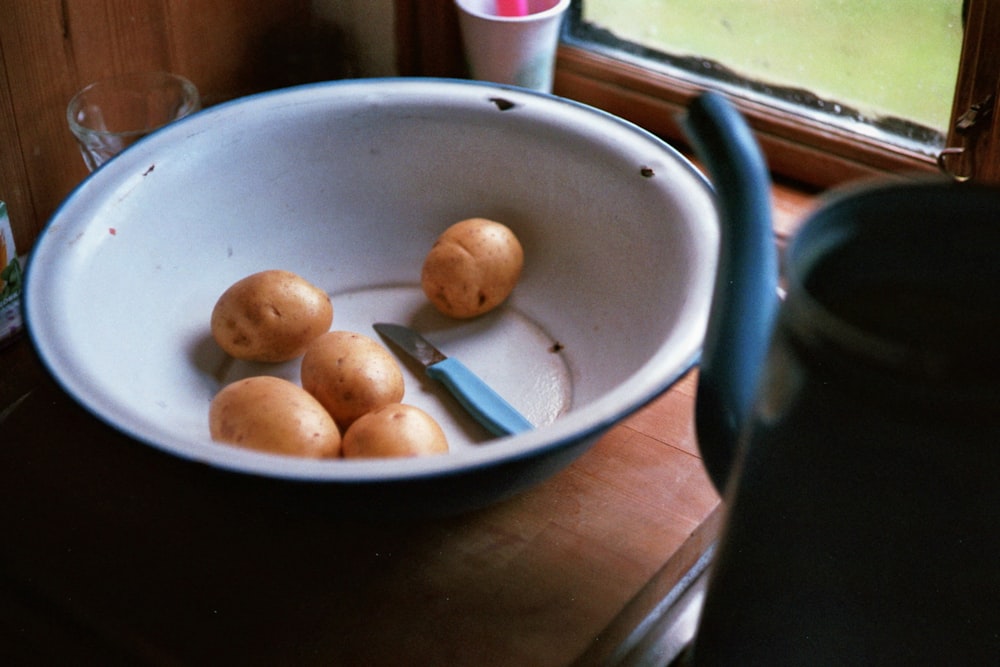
[515, 50]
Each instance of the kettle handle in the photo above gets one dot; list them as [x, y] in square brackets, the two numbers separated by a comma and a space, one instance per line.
[744, 302]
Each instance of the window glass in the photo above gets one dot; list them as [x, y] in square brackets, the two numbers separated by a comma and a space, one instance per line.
[879, 66]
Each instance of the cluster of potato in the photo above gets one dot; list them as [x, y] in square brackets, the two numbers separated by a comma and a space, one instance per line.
[349, 403]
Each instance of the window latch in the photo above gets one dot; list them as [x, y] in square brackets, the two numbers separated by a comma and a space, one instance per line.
[974, 119]
[975, 115]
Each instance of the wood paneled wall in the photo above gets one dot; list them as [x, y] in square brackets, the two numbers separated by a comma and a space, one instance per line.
[51, 48]
[428, 42]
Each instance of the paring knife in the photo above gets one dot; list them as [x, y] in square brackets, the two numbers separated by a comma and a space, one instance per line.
[488, 407]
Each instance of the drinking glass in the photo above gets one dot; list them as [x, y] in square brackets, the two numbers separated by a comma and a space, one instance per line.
[108, 116]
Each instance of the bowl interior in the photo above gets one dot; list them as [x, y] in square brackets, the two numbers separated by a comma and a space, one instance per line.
[348, 184]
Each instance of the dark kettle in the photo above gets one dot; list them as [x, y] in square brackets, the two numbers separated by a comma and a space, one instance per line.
[853, 428]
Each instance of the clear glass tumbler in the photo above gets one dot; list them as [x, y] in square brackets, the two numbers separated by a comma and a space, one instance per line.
[108, 116]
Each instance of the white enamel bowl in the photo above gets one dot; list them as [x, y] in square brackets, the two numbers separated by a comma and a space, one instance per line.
[348, 184]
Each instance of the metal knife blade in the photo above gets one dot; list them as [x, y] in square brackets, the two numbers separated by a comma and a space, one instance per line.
[479, 400]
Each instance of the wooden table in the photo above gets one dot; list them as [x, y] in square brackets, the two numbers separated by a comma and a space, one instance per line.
[113, 552]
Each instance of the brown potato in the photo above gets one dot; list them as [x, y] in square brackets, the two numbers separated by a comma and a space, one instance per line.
[472, 268]
[394, 430]
[270, 316]
[351, 374]
[273, 415]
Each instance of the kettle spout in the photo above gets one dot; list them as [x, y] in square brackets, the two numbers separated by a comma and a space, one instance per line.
[744, 301]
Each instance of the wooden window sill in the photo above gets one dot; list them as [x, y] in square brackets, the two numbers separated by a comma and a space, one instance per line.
[811, 152]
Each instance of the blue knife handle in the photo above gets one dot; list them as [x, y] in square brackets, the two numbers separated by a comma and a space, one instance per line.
[488, 407]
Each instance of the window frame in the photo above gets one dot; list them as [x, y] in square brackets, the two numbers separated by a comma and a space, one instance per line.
[797, 147]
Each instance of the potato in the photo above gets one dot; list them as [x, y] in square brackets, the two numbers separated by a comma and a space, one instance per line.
[273, 415]
[394, 430]
[270, 316]
[472, 268]
[350, 374]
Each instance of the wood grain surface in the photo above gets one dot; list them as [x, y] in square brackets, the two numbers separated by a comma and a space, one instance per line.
[116, 553]
[49, 49]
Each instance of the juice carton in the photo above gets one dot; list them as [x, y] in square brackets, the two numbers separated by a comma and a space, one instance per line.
[11, 279]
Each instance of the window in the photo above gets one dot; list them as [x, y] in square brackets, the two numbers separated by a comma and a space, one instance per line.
[633, 79]
[881, 67]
